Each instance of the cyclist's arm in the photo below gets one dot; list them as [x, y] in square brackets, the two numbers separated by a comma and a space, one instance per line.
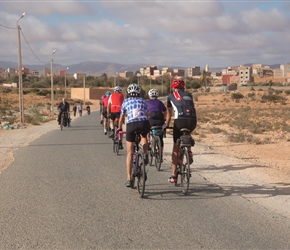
[109, 108]
[121, 121]
[168, 116]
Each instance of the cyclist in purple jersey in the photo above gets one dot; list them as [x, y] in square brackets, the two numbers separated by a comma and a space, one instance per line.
[135, 108]
[156, 113]
[184, 117]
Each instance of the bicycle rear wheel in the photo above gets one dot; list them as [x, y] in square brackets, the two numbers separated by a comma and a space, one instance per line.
[185, 172]
[117, 146]
[151, 153]
[157, 152]
[141, 174]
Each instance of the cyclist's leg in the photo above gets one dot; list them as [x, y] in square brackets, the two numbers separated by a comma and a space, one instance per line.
[130, 139]
[129, 159]
[174, 157]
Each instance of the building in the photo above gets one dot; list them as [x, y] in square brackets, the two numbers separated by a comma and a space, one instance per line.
[230, 71]
[285, 69]
[178, 73]
[126, 74]
[278, 73]
[245, 74]
[195, 71]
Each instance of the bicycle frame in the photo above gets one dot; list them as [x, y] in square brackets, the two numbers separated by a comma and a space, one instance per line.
[183, 166]
[139, 170]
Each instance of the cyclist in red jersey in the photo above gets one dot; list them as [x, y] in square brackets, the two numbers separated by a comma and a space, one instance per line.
[114, 107]
[105, 104]
[184, 117]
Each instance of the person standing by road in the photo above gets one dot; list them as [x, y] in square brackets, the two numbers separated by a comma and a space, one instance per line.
[135, 107]
[75, 110]
[80, 109]
[184, 117]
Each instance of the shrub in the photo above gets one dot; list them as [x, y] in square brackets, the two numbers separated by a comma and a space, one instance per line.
[43, 92]
[237, 96]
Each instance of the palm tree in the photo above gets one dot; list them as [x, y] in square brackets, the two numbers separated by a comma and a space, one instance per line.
[205, 79]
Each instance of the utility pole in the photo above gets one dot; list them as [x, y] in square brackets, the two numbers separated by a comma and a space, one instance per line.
[84, 81]
[21, 105]
[51, 77]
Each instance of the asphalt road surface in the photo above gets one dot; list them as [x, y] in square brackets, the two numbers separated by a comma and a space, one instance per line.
[66, 190]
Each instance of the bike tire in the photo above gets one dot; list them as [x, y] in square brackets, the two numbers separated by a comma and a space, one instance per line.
[185, 172]
[117, 146]
[151, 153]
[61, 122]
[114, 146]
[157, 152]
[141, 174]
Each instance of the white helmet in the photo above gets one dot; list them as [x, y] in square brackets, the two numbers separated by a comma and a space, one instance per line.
[153, 93]
[118, 89]
[133, 89]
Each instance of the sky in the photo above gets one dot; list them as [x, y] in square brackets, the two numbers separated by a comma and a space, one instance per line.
[153, 32]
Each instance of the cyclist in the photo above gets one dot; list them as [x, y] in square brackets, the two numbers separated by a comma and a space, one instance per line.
[101, 109]
[184, 117]
[156, 114]
[63, 107]
[135, 107]
[104, 113]
[114, 107]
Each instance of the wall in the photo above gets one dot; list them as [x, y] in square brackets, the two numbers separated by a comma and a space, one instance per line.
[90, 93]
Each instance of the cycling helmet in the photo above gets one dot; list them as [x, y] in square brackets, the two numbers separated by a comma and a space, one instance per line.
[118, 89]
[178, 84]
[153, 93]
[134, 90]
[108, 93]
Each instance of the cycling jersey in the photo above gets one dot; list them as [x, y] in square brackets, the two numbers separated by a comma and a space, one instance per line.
[183, 105]
[156, 109]
[116, 100]
[105, 102]
[136, 108]
[63, 107]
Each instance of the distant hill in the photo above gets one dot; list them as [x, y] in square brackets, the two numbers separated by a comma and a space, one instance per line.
[96, 68]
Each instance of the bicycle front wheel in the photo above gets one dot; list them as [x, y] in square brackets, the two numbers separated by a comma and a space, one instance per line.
[157, 152]
[141, 174]
[185, 172]
[61, 122]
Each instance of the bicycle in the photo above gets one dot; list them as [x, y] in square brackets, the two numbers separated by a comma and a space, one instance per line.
[155, 151]
[63, 120]
[118, 136]
[183, 167]
[139, 169]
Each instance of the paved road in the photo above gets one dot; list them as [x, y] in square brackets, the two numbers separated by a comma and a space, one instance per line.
[66, 191]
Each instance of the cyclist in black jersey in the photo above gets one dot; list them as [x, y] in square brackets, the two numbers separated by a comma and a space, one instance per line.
[184, 117]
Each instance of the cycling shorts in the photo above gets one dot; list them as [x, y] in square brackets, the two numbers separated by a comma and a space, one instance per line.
[115, 115]
[104, 113]
[156, 122]
[131, 127]
[190, 124]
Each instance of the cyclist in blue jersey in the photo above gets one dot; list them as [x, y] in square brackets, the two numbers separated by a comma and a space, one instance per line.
[156, 113]
[184, 117]
[135, 108]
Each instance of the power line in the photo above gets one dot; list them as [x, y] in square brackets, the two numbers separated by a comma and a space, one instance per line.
[7, 27]
[30, 47]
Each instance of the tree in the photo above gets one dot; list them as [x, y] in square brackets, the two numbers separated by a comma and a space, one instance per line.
[205, 79]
